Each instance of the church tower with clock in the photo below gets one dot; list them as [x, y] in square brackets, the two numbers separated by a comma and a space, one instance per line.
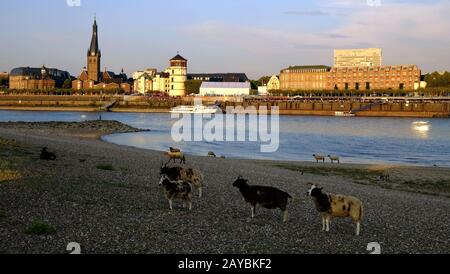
[94, 56]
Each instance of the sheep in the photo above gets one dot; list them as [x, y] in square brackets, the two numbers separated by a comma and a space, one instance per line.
[193, 176]
[176, 189]
[46, 155]
[319, 157]
[212, 154]
[334, 158]
[335, 205]
[173, 149]
[385, 177]
[176, 155]
[267, 197]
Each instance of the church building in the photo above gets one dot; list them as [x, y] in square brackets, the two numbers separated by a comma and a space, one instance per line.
[91, 77]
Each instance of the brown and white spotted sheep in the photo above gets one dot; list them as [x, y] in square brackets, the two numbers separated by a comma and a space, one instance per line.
[335, 205]
[266, 197]
[193, 176]
[176, 190]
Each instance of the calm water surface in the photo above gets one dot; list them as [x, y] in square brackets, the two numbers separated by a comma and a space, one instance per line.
[356, 140]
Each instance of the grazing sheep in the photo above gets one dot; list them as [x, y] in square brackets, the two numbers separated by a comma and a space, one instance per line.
[176, 155]
[46, 155]
[212, 154]
[385, 177]
[173, 149]
[193, 176]
[319, 157]
[267, 197]
[176, 190]
[334, 158]
[335, 205]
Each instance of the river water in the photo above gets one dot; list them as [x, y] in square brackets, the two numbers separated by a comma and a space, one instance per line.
[355, 139]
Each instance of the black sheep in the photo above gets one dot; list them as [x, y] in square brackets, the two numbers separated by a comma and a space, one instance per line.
[46, 155]
[264, 196]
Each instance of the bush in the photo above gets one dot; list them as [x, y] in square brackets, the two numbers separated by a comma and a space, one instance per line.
[40, 228]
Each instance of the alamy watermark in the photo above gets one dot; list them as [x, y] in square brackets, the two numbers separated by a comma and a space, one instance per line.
[238, 124]
[373, 3]
[73, 3]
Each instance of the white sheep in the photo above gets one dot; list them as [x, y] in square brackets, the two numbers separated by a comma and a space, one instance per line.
[334, 158]
[319, 157]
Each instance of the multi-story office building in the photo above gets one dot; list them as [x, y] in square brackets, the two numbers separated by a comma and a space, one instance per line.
[367, 78]
[304, 78]
[371, 57]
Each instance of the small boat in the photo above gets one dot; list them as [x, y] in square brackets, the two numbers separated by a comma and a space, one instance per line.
[344, 114]
[421, 123]
[198, 109]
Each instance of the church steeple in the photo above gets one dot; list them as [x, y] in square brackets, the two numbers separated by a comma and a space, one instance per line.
[94, 55]
[94, 49]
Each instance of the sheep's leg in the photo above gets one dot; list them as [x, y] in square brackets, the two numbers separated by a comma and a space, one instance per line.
[200, 192]
[358, 228]
[171, 204]
[323, 223]
[253, 211]
[285, 216]
[328, 223]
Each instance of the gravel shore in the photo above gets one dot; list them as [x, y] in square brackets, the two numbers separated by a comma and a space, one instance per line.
[106, 197]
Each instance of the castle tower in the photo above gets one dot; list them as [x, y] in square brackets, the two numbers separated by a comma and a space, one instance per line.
[94, 56]
[178, 76]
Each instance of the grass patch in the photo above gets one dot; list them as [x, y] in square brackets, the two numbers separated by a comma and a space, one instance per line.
[440, 187]
[40, 228]
[9, 175]
[354, 173]
[107, 167]
[2, 214]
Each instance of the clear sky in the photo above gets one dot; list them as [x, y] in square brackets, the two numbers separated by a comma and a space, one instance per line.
[258, 37]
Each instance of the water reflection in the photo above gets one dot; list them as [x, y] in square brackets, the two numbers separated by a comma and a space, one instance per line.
[421, 129]
[358, 140]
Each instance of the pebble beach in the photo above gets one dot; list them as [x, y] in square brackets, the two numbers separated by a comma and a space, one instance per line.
[106, 197]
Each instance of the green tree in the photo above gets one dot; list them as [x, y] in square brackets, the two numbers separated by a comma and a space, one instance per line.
[67, 84]
[437, 79]
[193, 86]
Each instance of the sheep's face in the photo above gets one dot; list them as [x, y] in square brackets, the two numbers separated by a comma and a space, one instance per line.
[314, 190]
[240, 182]
[163, 180]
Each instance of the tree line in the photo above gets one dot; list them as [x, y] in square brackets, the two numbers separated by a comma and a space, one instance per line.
[437, 79]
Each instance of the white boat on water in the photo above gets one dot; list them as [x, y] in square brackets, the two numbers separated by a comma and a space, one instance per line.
[421, 123]
[344, 114]
[198, 109]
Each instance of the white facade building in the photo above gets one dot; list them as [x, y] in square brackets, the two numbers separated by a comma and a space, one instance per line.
[263, 90]
[225, 89]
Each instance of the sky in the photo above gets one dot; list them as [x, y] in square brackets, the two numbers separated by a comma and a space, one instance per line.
[257, 37]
